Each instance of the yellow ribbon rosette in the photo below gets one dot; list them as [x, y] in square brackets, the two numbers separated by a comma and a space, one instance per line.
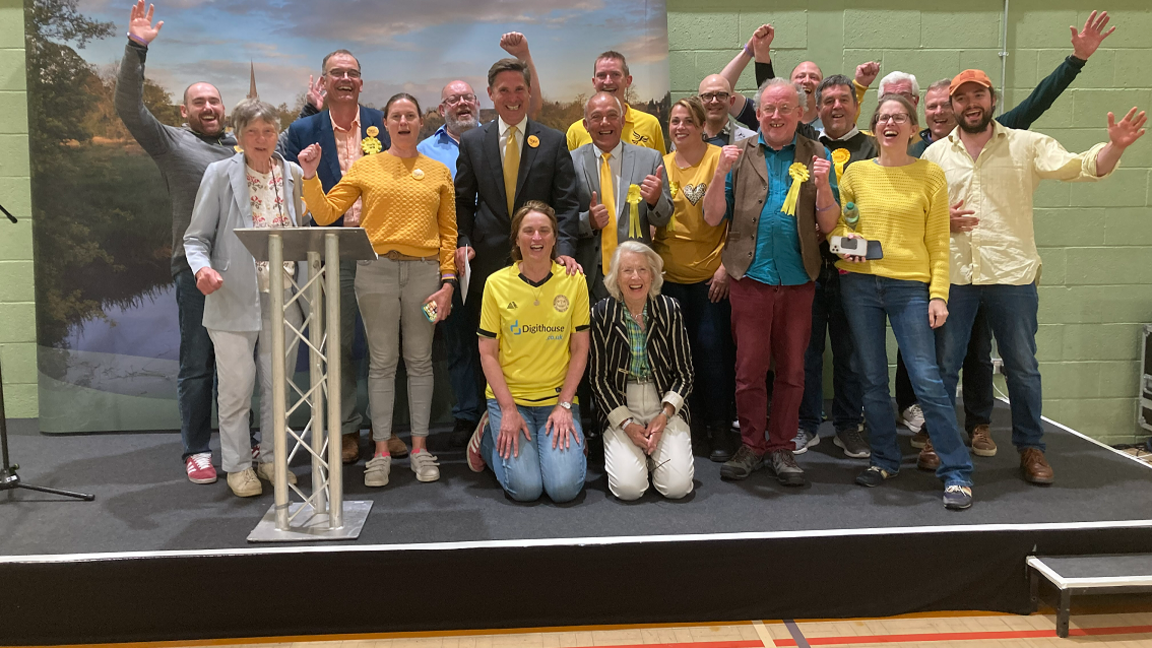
[370, 145]
[633, 201]
[799, 174]
[839, 159]
[674, 189]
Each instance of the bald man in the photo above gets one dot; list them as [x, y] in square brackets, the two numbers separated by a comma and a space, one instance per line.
[719, 128]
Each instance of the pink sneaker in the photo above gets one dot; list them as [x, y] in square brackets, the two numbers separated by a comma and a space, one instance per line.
[475, 458]
[200, 470]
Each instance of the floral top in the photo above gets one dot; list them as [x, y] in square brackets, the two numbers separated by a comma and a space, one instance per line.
[266, 195]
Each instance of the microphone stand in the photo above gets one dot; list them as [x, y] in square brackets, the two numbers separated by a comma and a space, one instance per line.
[9, 479]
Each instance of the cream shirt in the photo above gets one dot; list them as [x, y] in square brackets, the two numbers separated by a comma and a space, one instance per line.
[998, 186]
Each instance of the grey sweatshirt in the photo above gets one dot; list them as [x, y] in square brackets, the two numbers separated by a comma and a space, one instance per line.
[181, 153]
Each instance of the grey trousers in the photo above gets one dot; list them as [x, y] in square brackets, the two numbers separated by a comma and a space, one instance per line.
[391, 295]
[350, 416]
[240, 355]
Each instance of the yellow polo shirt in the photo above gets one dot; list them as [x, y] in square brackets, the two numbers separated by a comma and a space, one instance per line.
[640, 129]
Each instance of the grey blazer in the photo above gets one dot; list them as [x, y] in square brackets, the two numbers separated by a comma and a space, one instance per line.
[636, 163]
[222, 205]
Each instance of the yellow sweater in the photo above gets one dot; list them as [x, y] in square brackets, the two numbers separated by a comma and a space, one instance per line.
[906, 209]
[409, 205]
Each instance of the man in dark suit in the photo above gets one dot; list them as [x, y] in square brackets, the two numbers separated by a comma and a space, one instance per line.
[612, 177]
[503, 164]
[339, 131]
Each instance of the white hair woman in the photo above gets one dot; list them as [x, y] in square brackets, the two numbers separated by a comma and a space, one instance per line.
[641, 372]
[254, 188]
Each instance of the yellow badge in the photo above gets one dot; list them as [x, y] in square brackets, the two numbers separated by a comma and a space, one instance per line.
[840, 156]
[418, 174]
[560, 303]
[533, 141]
[237, 149]
[372, 131]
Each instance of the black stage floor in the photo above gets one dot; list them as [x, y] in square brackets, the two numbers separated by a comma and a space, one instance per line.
[751, 549]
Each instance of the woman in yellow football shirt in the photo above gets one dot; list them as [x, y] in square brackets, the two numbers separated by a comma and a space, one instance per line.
[903, 204]
[409, 211]
[693, 273]
[534, 341]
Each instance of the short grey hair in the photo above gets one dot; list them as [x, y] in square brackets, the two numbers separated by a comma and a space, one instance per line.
[251, 110]
[655, 265]
[897, 77]
[944, 84]
[778, 81]
[619, 106]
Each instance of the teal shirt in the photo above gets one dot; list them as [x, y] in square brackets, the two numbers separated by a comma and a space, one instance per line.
[778, 261]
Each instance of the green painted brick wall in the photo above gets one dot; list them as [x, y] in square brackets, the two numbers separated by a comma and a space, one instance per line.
[1095, 238]
[17, 294]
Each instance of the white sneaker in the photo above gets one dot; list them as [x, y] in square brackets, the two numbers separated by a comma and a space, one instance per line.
[912, 418]
[267, 472]
[376, 471]
[244, 483]
[803, 440]
[425, 466]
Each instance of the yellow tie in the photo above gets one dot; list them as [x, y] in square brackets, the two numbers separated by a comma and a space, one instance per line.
[608, 199]
[511, 167]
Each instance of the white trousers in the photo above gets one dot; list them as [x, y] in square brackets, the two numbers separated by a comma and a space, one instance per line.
[237, 356]
[670, 465]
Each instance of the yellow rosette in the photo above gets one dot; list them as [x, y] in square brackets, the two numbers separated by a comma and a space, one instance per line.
[839, 159]
[372, 131]
[633, 201]
[533, 141]
[799, 174]
[674, 189]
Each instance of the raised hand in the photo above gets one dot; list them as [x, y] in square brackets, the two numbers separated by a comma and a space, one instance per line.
[309, 160]
[316, 92]
[516, 44]
[140, 23]
[820, 169]
[598, 213]
[652, 186]
[1125, 132]
[208, 281]
[960, 219]
[728, 156]
[762, 43]
[1085, 42]
[866, 73]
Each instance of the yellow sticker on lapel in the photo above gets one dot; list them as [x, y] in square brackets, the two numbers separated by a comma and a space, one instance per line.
[418, 174]
[533, 141]
[372, 131]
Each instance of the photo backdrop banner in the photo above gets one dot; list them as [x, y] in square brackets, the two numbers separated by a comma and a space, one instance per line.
[106, 311]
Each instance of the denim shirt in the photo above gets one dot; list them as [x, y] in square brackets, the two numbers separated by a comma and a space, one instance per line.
[778, 260]
[441, 147]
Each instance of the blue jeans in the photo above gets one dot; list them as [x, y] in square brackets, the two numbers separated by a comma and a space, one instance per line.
[848, 394]
[197, 366]
[539, 468]
[976, 377]
[870, 300]
[463, 365]
[713, 351]
[1011, 314]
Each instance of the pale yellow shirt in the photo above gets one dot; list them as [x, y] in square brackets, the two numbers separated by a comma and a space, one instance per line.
[998, 186]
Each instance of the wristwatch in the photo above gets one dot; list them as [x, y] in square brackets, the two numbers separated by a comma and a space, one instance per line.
[566, 405]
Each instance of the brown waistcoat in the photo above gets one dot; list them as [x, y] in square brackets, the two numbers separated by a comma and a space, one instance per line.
[750, 190]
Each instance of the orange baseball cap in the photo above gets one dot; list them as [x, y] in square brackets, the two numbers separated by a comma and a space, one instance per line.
[973, 76]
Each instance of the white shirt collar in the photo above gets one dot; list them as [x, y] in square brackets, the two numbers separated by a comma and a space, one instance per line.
[843, 138]
[615, 153]
[519, 127]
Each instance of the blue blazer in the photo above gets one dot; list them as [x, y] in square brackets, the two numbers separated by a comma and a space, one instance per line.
[317, 129]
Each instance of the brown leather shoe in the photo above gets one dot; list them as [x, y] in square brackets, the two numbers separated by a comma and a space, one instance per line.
[1035, 467]
[350, 448]
[982, 443]
[928, 459]
[396, 447]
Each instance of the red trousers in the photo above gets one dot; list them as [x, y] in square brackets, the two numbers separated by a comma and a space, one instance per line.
[770, 323]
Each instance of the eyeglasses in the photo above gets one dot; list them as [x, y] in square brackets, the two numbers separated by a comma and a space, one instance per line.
[898, 118]
[338, 73]
[455, 99]
[709, 97]
[770, 110]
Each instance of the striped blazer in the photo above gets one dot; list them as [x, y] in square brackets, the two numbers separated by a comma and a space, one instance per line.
[669, 356]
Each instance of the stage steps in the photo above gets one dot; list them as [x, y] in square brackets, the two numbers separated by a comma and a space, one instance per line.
[1088, 574]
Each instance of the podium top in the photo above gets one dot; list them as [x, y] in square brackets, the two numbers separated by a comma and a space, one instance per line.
[299, 241]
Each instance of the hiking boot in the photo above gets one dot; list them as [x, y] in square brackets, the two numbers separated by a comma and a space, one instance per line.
[742, 464]
[788, 472]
